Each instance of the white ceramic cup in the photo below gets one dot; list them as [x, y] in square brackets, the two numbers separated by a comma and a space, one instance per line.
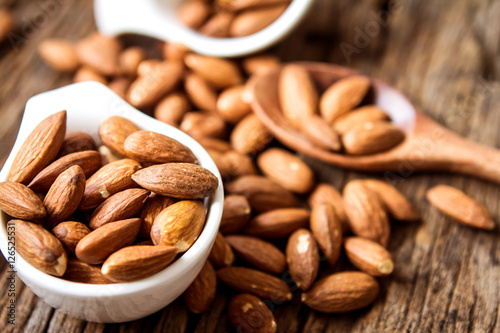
[87, 104]
[158, 19]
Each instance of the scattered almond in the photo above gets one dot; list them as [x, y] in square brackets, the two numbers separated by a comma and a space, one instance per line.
[327, 230]
[302, 257]
[200, 295]
[277, 223]
[59, 54]
[236, 214]
[368, 256]
[248, 313]
[221, 254]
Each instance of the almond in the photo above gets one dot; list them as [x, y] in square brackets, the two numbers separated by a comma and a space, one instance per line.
[84, 74]
[76, 142]
[200, 295]
[371, 138]
[130, 59]
[59, 54]
[148, 65]
[247, 280]
[107, 156]
[102, 242]
[89, 161]
[221, 73]
[108, 180]
[120, 86]
[366, 213]
[364, 114]
[215, 144]
[172, 108]
[154, 205]
[250, 136]
[261, 63]
[203, 124]
[277, 223]
[201, 93]
[40, 248]
[6, 23]
[137, 262]
[154, 148]
[251, 21]
[320, 133]
[236, 214]
[193, 13]
[258, 253]
[100, 53]
[79, 271]
[174, 51]
[327, 230]
[218, 25]
[39, 149]
[177, 180]
[64, 195]
[342, 96]
[368, 256]
[396, 204]
[457, 205]
[235, 165]
[342, 292]
[20, 202]
[326, 193]
[120, 206]
[237, 5]
[286, 169]
[248, 313]
[179, 225]
[302, 257]
[69, 234]
[114, 130]
[221, 254]
[230, 104]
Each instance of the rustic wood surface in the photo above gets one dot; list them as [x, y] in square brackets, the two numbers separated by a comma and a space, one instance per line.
[444, 55]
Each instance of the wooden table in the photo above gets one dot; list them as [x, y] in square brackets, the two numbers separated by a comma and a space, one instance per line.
[444, 55]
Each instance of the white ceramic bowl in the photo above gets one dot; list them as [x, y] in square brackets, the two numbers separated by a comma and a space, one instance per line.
[158, 19]
[87, 104]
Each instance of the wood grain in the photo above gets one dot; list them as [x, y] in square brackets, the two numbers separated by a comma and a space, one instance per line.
[444, 55]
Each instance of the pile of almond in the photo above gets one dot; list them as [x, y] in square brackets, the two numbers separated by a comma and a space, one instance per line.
[230, 18]
[95, 218]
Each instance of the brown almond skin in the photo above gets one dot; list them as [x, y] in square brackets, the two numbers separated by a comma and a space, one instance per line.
[366, 213]
[368, 256]
[69, 234]
[277, 223]
[75, 142]
[462, 208]
[371, 138]
[258, 253]
[250, 136]
[39, 149]
[302, 257]
[100, 53]
[262, 285]
[174, 51]
[342, 292]
[108, 180]
[320, 133]
[236, 214]
[230, 105]
[40, 248]
[235, 165]
[193, 13]
[343, 96]
[260, 63]
[89, 161]
[221, 73]
[137, 262]
[364, 114]
[202, 124]
[262, 193]
[218, 145]
[7, 24]
[201, 93]
[20, 202]
[172, 108]
[326, 193]
[130, 59]
[102, 242]
[218, 25]
[154, 205]
[114, 130]
[177, 180]
[84, 74]
[237, 5]
[59, 54]
[120, 206]
[154, 148]
[64, 195]
[327, 230]
[253, 20]
[81, 272]
[396, 204]
[200, 295]
[179, 225]
[221, 254]
[248, 313]
[287, 170]
[120, 86]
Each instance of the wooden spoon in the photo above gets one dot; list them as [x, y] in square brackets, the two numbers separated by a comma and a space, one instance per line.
[428, 145]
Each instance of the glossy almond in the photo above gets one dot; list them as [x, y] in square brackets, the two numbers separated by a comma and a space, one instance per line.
[59, 54]
[218, 25]
[40, 248]
[79, 271]
[260, 63]
[302, 257]
[320, 133]
[364, 114]
[39, 149]
[130, 59]
[368, 256]
[457, 205]
[69, 234]
[100, 53]
[221, 254]
[326, 193]
[193, 13]
[230, 104]
[258, 253]
[114, 130]
[235, 215]
[120, 206]
[371, 138]
[248, 313]
[327, 230]
[263, 285]
[20, 202]
[286, 169]
[251, 21]
[342, 292]
[201, 93]
[154, 205]
[202, 124]
[102, 242]
[343, 96]
[221, 73]
[64, 195]
[250, 136]
[179, 225]
[108, 180]
[366, 213]
[396, 204]
[277, 223]
[172, 108]
[177, 180]
[89, 161]
[233, 165]
[200, 295]
[137, 262]
[75, 142]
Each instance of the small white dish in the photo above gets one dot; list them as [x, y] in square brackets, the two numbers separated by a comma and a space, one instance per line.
[87, 104]
[158, 19]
